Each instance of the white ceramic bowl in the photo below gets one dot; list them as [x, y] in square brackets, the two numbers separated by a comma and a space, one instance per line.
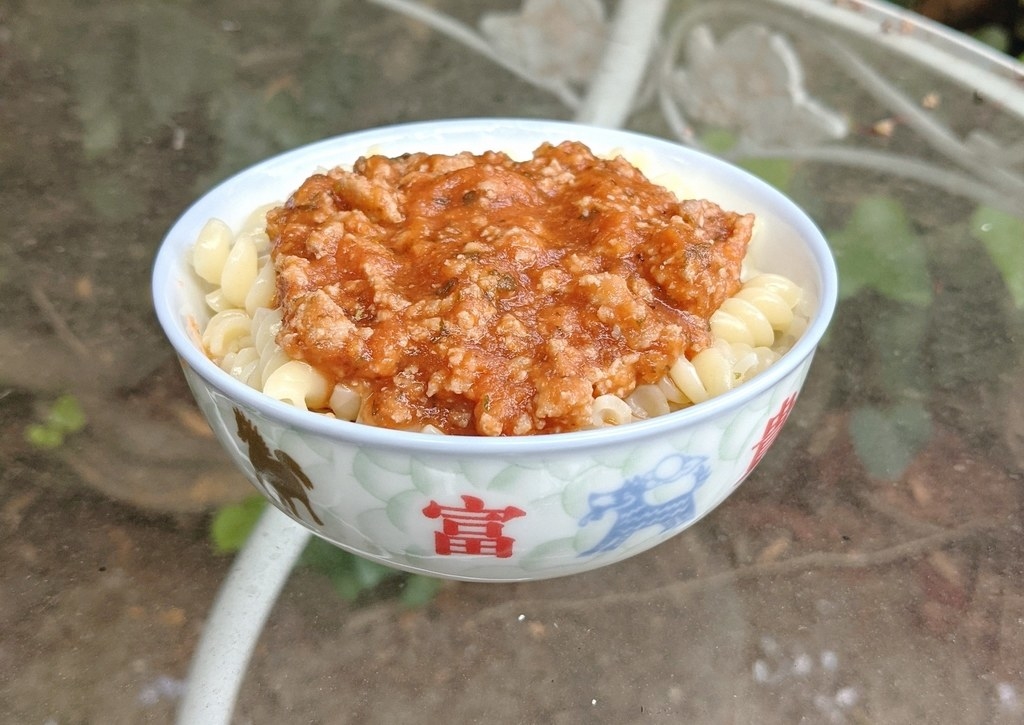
[498, 509]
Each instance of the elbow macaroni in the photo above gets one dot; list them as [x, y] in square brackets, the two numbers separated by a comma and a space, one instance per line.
[241, 336]
[751, 330]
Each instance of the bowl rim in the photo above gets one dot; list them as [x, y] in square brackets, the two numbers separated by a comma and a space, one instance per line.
[167, 304]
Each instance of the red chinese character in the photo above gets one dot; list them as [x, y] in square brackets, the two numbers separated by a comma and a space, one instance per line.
[472, 529]
[771, 432]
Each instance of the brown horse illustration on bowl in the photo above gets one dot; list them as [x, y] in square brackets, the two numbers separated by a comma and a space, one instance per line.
[276, 469]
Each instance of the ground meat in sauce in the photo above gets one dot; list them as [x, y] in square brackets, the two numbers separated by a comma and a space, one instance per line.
[487, 296]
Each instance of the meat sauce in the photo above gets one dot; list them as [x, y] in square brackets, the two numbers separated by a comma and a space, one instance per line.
[486, 296]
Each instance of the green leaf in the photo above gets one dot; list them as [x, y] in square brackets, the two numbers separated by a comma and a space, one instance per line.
[44, 436]
[777, 172]
[66, 414]
[232, 524]
[323, 557]
[418, 591]
[887, 439]
[251, 127]
[995, 36]
[898, 334]
[718, 140]
[369, 573]
[350, 575]
[179, 55]
[101, 128]
[721, 141]
[98, 83]
[1002, 235]
[346, 585]
[878, 249]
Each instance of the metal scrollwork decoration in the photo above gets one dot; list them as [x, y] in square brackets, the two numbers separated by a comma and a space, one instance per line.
[749, 79]
[750, 82]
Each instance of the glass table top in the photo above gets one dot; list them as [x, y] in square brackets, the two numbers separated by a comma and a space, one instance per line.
[869, 570]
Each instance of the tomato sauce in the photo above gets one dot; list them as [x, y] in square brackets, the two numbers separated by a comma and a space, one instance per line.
[486, 296]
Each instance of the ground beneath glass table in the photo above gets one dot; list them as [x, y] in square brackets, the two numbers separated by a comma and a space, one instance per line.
[870, 571]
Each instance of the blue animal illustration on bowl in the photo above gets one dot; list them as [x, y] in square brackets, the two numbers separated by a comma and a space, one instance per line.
[663, 496]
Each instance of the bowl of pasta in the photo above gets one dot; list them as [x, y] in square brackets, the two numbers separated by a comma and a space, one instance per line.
[495, 349]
